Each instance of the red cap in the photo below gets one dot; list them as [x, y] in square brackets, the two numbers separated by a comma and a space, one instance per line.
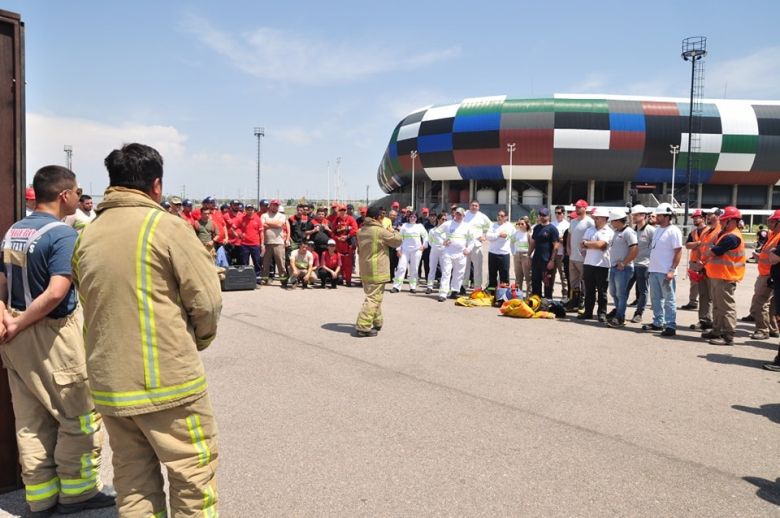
[573, 214]
[581, 204]
[395, 204]
[775, 215]
[425, 210]
[730, 213]
[363, 209]
[275, 202]
[697, 214]
[29, 193]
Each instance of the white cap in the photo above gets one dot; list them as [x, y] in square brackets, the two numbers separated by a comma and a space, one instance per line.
[281, 209]
[664, 208]
[617, 214]
[600, 212]
[331, 242]
[639, 209]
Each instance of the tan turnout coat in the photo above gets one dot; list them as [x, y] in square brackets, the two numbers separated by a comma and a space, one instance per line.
[373, 240]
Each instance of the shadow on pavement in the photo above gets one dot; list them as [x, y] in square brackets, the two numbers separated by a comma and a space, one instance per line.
[728, 359]
[771, 412]
[338, 327]
[761, 345]
[767, 490]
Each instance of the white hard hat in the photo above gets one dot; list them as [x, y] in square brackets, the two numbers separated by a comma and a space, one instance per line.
[664, 208]
[617, 214]
[600, 212]
[639, 209]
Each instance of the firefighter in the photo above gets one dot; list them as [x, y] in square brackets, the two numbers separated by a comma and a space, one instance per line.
[725, 267]
[373, 241]
[415, 240]
[151, 302]
[57, 429]
[762, 307]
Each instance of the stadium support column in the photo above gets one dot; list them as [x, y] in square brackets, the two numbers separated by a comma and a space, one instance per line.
[698, 195]
[591, 192]
[472, 190]
[445, 194]
[627, 192]
[549, 193]
[734, 192]
[770, 191]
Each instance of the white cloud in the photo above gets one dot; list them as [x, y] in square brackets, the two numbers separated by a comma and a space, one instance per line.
[755, 76]
[297, 136]
[284, 56]
[592, 83]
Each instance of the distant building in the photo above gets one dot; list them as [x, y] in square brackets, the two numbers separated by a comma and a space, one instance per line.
[604, 148]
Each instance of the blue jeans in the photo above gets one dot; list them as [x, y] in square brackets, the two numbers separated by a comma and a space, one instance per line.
[618, 288]
[663, 295]
[640, 277]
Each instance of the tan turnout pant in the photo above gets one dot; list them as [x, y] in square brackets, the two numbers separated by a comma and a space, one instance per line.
[371, 313]
[57, 430]
[184, 440]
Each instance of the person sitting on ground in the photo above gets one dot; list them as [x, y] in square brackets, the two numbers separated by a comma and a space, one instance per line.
[329, 270]
[302, 266]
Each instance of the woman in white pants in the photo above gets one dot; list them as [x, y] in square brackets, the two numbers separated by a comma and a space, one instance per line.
[415, 239]
[436, 244]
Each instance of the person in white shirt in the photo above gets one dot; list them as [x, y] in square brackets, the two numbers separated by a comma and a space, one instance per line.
[415, 239]
[562, 225]
[622, 251]
[499, 236]
[480, 224]
[595, 249]
[83, 215]
[577, 230]
[665, 254]
[522, 260]
[458, 244]
[436, 246]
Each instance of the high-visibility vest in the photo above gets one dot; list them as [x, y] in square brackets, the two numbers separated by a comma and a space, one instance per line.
[731, 265]
[764, 266]
[693, 257]
[706, 240]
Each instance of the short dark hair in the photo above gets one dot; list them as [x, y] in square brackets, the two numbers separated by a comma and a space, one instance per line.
[49, 181]
[374, 211]
[135, 166]
[84, 197]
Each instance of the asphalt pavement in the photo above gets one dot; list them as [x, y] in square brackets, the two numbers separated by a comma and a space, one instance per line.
[456, 411]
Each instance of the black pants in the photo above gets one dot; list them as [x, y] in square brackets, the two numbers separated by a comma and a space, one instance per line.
[246, 252]
[596, 285]
[538, 270]
[393, 260]
[498, 269]
[327, 278]
[424, 266]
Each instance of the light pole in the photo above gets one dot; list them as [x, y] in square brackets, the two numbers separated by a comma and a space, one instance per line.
[68, 156]
[413, 154]
[259, 133]
[511, 148]
[674, 149]
[693, 49]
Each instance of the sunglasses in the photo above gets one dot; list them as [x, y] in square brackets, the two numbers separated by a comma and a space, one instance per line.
[557, 212]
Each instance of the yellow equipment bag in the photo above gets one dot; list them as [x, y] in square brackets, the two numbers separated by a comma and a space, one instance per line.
[516, 308]
[544, 314]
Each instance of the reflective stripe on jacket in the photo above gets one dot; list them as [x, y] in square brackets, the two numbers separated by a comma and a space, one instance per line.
[764, 266]
[731, 265]
[373, 240]
[707, 239]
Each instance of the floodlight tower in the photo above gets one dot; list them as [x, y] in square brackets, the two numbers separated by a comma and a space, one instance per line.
[693, 49]
[259, 133]
[68, 156]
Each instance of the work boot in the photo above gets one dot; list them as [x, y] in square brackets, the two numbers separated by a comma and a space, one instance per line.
[689, 307]
[652, 327]
[748, 318]
[723, 340]
[668, 332]
[44, 513]
[98, 501]
[365, 334]
[710, 335]
[760, 335]
[774, 334]
[615, 322]
[602, 318]
[701, 326]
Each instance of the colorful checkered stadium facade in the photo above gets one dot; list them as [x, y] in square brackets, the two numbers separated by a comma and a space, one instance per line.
[585, 138]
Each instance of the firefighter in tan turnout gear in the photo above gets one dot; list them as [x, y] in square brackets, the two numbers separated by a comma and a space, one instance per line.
[151, 300]
[41, 344]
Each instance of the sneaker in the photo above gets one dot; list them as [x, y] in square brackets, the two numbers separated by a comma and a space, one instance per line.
[748, 318]
[98, 501]
[611, 314]
[428, 290]
[652, 327]
[462, 290]
[602, 318]
[394, 290]
[615, 322]
[365, 334]
[721, 341]
[774, 334]
[583, 316]
[668, 332]
[689, 307]
[760, 335]
[441, 298]
[637, 318]
[412, 290]
[454, 295]
[701, 326]
[775, 367]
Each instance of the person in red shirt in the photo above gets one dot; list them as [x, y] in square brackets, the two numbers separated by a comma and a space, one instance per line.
[345, 230]
[186, 213]
[217, 220]
[251, 239]
[330, 266]
[233, 218]
[334, 213]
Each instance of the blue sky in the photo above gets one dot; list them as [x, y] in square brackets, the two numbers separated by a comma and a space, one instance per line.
[331, 79]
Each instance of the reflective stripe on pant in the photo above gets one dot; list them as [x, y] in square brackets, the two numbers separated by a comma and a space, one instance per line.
[452, 269]
[663, 296]
[371, 313]
[724, 307]
[762, 308]
[184, 439]
[58, 433]
[409, 260]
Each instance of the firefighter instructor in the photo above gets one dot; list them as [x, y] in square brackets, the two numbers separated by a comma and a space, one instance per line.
[151, 300]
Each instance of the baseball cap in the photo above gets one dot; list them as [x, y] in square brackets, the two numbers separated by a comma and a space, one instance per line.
[581, 204]
[425, 210]
[236, 202]
[544, 211]
[461, 211]
[187, 202]
[264, 202]
[250, 207]
[395, 204]
[697, 213]
[29, 193]
[715, 210]
[208, 199]
[275, 202]
[331, 242]
[175, 200]
[363, 210]
[350, 206]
